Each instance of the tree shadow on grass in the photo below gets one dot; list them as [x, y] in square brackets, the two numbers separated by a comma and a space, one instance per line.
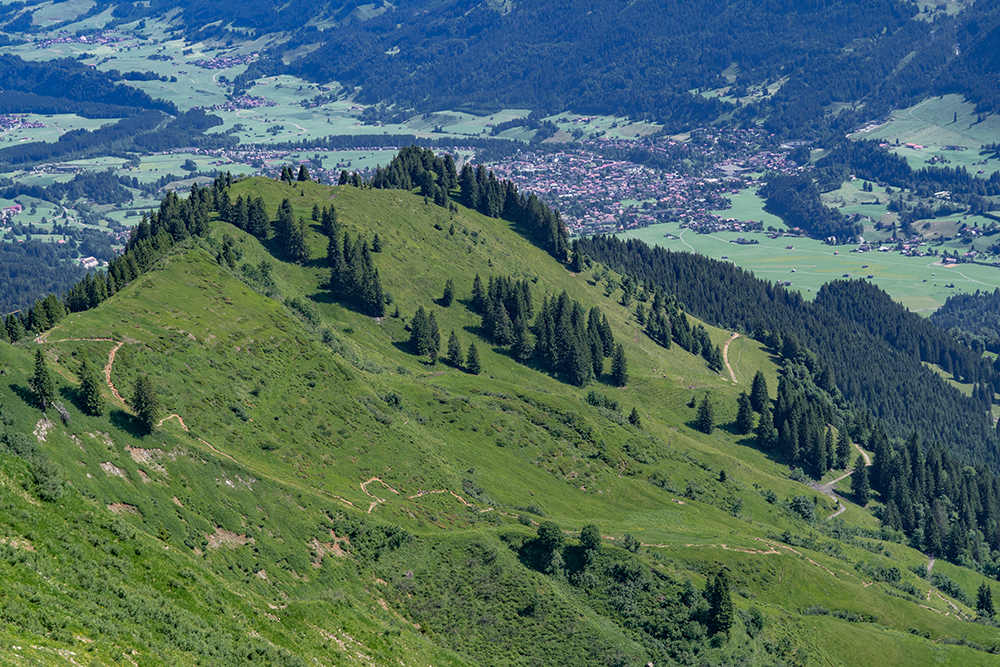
[73, 396]
[130, 424]
[26, 395]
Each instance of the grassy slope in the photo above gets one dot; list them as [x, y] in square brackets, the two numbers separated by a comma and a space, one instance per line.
[316, 429]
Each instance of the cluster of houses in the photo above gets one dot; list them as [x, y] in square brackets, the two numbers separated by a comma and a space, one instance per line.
[7, 214]
[225, 62]
[601, 195]
[242, 102]
[64, 37]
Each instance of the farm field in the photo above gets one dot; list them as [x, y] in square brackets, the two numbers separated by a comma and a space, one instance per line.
[920, 283]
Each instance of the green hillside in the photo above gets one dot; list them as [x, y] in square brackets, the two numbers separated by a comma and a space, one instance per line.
[318, 494]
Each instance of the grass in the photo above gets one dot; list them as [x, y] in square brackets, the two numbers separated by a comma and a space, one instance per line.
[284, 430]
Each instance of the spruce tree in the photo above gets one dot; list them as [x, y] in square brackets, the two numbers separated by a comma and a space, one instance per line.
[41, 381]
[744, 414]
[478, 295]
[619, 367]
[145, 402]
[843, 448]
[721, 613]
[449, 293]
[758, 392]
[984, 601]
[376, 243]
[706, 416]
[472, 364]
[766, 434]
[859, 482]
[303, 174]
[420, 332]
[634, 419]
[521, 349]
[433, 339]
[454, 350]
[90, 390]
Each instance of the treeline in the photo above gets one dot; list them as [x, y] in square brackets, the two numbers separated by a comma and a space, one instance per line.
[177, 219]
[795, 199]
[972, 318]
[873, 345]
[34, 87]
[480, 190]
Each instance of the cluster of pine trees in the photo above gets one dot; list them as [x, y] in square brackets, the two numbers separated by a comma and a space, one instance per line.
[176, 220]
[574, 343]
[666, 322]
[353, 275]
[415, 167]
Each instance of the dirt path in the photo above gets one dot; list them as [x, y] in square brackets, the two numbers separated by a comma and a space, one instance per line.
[107, 372]
[179, 418]
[868, 460]
[725, 355]
[773, 549]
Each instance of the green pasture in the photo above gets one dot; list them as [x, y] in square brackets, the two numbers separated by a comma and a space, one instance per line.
[747, 206]
[936, 122]
[917, 282]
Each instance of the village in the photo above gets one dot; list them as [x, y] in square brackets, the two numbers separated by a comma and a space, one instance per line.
[597, 194]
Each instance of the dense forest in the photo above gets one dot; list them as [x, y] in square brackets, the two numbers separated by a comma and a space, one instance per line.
[972, 318]
[68, 86]
[872, 344]
[795, 199]
[33, 268]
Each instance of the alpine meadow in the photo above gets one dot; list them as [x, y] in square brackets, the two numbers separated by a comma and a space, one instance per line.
[466, 333]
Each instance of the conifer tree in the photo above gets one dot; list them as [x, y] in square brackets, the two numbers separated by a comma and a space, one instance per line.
[634, 419]
[376, 243]
[859, 482]
[240, 213]
[258, 223]
[984, 601]
[721, 613]
[433, 338]
[455, 356]
[449, 293]
[766, 434]
[145, 402]
[619, 367]
[303, 174]
[706, 416]
[521, 348]
[744, 414]
[420, 332]
[41, 381]
[932, 535]
[90, 389]
[478, 295]
[843, 449]
[472, 364]
[758, 392]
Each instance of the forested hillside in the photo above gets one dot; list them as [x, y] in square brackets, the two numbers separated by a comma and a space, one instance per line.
[874, 346]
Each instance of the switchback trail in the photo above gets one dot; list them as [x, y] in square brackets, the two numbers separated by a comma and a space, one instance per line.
[725, 355]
